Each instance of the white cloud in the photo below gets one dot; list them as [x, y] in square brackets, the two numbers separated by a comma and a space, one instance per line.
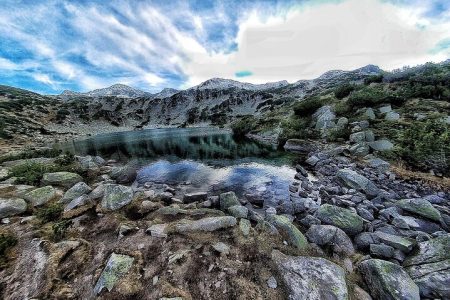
[44, 78]
[313, 39]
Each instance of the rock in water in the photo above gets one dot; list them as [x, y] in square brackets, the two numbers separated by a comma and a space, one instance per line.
[227, 200]
[63, 179]
[40, 196]
[116, 267]
[358, 182]
[342, 218]
[116, 196]
[12, 207]
[289, 231]
[311, 278]
[76, 191]
[387, 280]
[429, 267]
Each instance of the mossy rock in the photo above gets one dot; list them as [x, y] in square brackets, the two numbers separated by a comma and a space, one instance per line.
[342, 218]
[420, 207]
[289, 231]
[63, 179]
[40, 196]
[116, 196]
[227, 200]
[117, 266]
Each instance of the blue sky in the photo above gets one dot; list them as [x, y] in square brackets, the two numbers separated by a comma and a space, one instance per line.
[48, 46]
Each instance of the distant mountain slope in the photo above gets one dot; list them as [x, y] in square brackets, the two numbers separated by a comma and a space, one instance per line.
[220, 83]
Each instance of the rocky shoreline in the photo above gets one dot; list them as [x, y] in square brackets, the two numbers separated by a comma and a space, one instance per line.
[351, 229]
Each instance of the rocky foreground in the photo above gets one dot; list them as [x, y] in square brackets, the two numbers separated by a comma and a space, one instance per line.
[350, 230]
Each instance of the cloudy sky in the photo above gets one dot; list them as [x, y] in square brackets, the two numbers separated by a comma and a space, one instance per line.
[48, 45]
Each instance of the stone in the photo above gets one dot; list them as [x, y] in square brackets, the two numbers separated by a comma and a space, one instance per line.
[387, 280]
[353, 180]
[40, 196]
[370, 136]
[379, 165]
[309, 220]
[238, 211]
[431, 251]
[272, 282]
[385, 109]
[116, 196]
[77, 202]
[222, 248]
[381, 145]
[432, 279]
[76, 191]
[117, 266]
[381, 250]
[392, 116]
[158, 230]
[300, 146]
[342, 123]
[205, 224]
[369, 113]
[124, 174]
[312, 160]
[324, 118]
[98, 192]
[311, 278]
[327, 235]
[4, 173]
[342, 218]
[62, 179]
[195, 197]
[398, 242]
[365, 239]
[359, 149]
[12, 207]
[434, 199]
[420, 207]
[357, 137]
[289, 231]
[365, 214]
[228, 199]
[245, 226]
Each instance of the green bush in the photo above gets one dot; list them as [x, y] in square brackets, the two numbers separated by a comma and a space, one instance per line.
[296, 128]
[50, 213]
[31, 153]
[426, 145]
[59, 229]
[370, 96]
[244, 125]
[32, 173]
[309, 106]
[373, 79]
[335, 134]
[344, 90]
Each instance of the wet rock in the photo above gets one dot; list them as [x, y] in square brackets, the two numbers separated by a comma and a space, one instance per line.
[289, 231]
[327, 235]
[420, 207]
[238, 211]
[40, 196]
[205, 224]
[116, 196]
[381, 251]
[76, 191]
[195, 197]
[227, 200]
[358, 182]
[12, 207]
[117, 266]
[311, 277]
[342, 218]
[387, 280]
[62, 179]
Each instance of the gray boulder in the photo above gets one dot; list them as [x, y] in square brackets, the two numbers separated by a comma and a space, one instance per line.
[124, 174]
[385, 109]
[381, 251]
[76, 191]
[238, 211]
[387, 280]
[342, 218]
[300, 146]
[12, 207]
[324, 118]
[420, 207]
[205, 224]
[227, 200]
[327, 235]
[358, 182]
[311, 278]
[392, 116]
[398, 242]
[381, 145]
[195, 197]
[358, 137]
[369, 113]
[289, 231]
[62, 179]
[116, 196]
[379, 165]
[117, 266]
[40, 196]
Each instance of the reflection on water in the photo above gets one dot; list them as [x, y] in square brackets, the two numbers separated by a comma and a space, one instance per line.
[210, 159]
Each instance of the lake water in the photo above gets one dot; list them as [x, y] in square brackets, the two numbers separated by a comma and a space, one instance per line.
[208, 159]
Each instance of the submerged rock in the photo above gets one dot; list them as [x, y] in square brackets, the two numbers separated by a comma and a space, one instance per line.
[387, 280]
[40, 196]
[311, 278]
[63, 179]
[116, 267]
[12, 207]
[116, 196]
[342, 218]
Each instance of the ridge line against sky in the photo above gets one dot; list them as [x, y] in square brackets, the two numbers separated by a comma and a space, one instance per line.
[49, 46]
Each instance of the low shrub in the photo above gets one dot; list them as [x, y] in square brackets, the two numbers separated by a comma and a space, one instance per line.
[50, 213]
[32, 173]
[309, 106]
[371, 96]
[59, 230]
[244, 125]
[373, 79]
[296, 128]
[344, 90]
[31, 153]
[7, 241]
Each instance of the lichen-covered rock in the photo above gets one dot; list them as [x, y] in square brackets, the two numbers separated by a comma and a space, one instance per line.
[76, 191]
[125, 174]
[12, 207]
[238, 211]
[420, 207]
[245, 226]
[116, 196]
[398, 242]
[311, 278]
[289, 231]
[353, 180]
[387, 280]
[342, 218]
[205, 224]
[116, 267]
[327, 235]
[227, 200]
[40, 196]
[63, 179]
